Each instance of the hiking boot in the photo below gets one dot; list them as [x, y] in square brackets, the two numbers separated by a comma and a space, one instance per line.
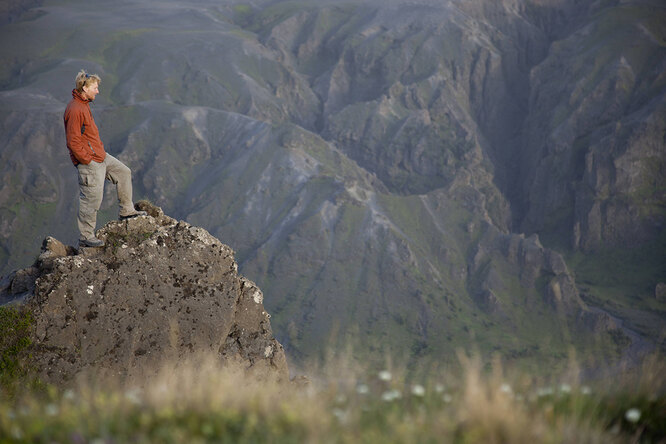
[135, 214]
[92, 242]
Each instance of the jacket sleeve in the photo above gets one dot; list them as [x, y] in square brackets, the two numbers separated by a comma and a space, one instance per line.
[76, 142]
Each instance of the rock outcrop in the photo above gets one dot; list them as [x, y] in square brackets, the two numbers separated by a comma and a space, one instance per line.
[158, 290]
[537, 268]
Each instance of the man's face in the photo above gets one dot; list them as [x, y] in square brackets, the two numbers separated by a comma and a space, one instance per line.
[90, 91]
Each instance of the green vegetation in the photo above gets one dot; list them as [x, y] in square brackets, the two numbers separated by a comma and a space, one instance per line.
[242, 14]
[345, 405]
[242, 9]
[623, 281]
[330, 23]
[15, 324]
[629, 30]
[276, 13]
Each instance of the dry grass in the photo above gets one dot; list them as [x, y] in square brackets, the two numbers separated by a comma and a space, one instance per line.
[200, 401]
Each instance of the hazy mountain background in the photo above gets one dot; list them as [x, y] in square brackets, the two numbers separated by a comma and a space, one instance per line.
[409, 177]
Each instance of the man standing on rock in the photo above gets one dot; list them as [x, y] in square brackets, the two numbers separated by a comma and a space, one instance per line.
[92, 162]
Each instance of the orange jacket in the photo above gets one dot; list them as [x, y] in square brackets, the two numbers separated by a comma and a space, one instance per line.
[82, 134]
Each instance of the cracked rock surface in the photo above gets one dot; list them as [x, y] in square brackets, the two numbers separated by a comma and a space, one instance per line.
[158, 290]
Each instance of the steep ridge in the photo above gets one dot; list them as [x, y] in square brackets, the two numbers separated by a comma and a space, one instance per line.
[597, 125]
[159, 290]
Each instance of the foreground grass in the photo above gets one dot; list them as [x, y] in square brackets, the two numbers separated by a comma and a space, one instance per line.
[199, 401]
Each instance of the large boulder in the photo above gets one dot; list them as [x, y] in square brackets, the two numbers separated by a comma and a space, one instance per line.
[159, 290]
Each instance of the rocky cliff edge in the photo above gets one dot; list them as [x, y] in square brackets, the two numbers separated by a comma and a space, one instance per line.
[160, 289]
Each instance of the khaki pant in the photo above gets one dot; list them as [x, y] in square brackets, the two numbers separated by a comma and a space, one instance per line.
[91, 188]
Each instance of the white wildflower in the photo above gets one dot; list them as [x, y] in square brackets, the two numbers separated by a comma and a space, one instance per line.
[341, 415]
[585, 390]
[506, 389]
[362, 389]
[545, 391]
[391, 395]
[632, 415]
[439, 388]
[385, 375]
[418, 390]
[69, 395]
[51, 409]
[447, 398]
[133, 396]
[565, 388]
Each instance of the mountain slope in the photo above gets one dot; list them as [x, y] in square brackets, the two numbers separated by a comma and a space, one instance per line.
[374, 166]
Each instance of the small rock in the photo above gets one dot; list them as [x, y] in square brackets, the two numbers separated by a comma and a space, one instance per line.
[52, 249]
[24, 280]
[660, 292]
[55, 247]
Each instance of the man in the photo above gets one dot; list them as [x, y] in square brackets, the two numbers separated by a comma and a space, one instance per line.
[93, 163]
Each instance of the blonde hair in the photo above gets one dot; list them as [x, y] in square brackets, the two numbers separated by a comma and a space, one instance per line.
[85, 79]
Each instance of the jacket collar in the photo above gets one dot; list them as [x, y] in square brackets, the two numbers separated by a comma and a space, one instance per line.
[77, 95]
